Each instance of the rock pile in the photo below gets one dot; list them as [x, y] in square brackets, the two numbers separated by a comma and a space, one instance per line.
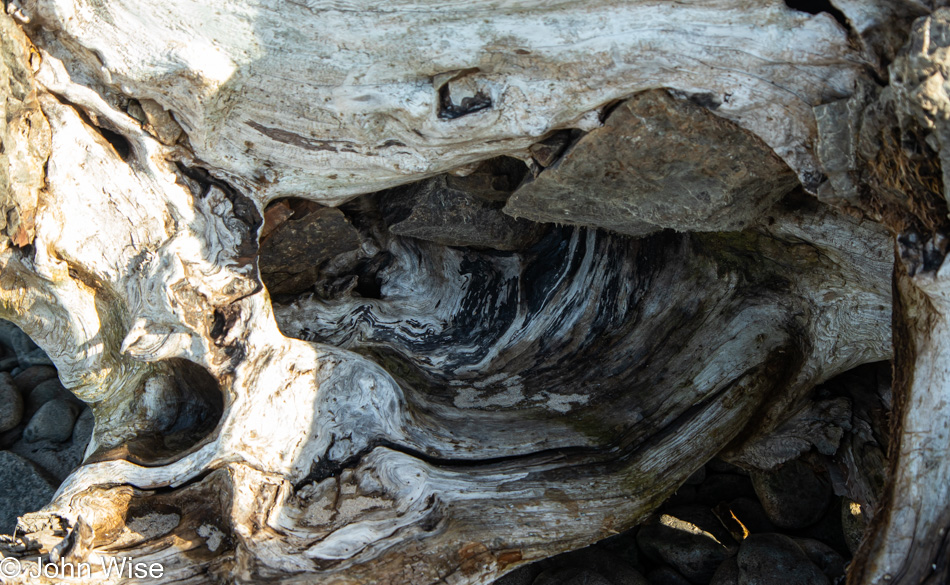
[44, 429]
[724, 526]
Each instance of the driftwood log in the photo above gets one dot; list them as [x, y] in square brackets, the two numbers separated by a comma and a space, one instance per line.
[528, 265]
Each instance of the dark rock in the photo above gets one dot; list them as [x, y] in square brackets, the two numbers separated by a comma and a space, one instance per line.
[825, 558]
[571, 576]
[749, 513]
[14, 338]
[11, 403]
[794, 495]
[54, 421]
[827, 530]
[690, 539]
[521, 576]
[605, 563]
[462, 211]
[9, 364]
[27, 352]
[666, 576]
[697, 478]
[853, 524]
[546, 152]
[597, 562]
[658, 162]
[818, 424]
[623, 546]
[297, 250]
[718, 465]
[727, 573]
[774, 559]
[23, 489]
[683, 496]
[31, 377]
[723, 487]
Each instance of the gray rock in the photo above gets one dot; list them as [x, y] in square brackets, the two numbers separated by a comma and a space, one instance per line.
[54, 421]
[818, 424]
[793, 495]
[774, 559]
[727, 573]
[46, 391]
[161, 124]
[37, 357]
[658, 162]
[853, 524]
[23, 489]
[546, 152]
[14, 338]
[11, 403]
[27, 353]
[82, 431]
[463, 211]
[666, 576]
[825, 558]
[690, 539]
[58, 460]
[31, 377]
[9, 364]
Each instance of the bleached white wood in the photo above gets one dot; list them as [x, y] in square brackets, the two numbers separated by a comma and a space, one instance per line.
[345, 100]
[323, 467]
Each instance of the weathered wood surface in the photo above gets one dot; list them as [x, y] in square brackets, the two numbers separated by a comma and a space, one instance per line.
[489, 408]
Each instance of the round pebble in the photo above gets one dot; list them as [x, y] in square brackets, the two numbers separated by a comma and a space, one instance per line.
[666, 576]
[775, 559]
[11, 404]
[825, 558]
[9, 363]
[570, 576]
[690, 539]
[793, 495]
[46, 391]
[54, 421]
[727, 573]
[85, 423]
[31, 377]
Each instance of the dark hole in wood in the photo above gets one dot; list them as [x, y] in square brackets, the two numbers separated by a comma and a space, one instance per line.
[817, 7]
[118, 142]
[448, 110]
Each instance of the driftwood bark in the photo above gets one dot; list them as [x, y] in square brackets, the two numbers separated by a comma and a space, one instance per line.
[484, 407]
